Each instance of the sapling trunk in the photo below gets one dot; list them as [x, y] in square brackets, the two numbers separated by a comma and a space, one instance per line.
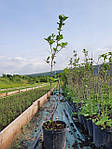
[56, 46]
[51, 72]
[55, 43]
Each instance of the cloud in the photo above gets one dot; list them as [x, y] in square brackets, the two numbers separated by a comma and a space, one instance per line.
[36, 64]
[22, 65]
[103, 50]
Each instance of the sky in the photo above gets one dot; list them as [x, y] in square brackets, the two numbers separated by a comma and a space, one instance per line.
[25, 23]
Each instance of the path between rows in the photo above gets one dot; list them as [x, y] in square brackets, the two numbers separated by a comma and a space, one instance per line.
[26, 138]
[2, 95]
[17, 88]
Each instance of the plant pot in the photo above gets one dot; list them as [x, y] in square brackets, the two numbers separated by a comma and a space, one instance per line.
[54, 139]
[75, 108]
[85, 123]
[102, 137]
[80, 118]
[90, 127]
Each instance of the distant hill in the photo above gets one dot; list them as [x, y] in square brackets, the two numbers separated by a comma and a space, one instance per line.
[46, 73]
[96, 67]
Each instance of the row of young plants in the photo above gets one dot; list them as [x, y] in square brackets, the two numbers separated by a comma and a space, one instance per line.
[12, 106]
[89, 87]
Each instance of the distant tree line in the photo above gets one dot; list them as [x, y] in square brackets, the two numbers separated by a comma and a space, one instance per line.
[27, 79]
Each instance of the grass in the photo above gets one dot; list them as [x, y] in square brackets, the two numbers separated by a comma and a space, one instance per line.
[12, 106]
[8, 88]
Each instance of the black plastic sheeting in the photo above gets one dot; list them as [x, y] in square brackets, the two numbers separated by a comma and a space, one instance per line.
[74, 138]
[64, 112]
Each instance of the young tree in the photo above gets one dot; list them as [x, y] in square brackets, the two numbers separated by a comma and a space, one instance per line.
[55, 43]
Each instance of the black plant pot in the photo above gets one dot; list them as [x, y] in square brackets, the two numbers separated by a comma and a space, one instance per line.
[75, 108]
[85, 123]
[80, 118]
[102, 137]
[55, 139]
[90, 127]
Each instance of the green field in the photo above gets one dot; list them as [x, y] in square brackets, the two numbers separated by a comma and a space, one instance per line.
[15, 81]
[13, 106]
[22, 87]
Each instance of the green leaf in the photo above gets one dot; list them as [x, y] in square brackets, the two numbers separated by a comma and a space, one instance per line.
[59, 37]
[75, 113]
[55, 49]
[47, 60]
[52, 79]
[53, 56]
[102, 121]
[59, 45]
[51, 41]
[48, 57]
[53, 35]
[50, 121]
[63, 44]
[62, 17]
[48, 39]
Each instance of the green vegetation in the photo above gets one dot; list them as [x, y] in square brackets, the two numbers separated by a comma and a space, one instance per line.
[91, 93]
[55, 44]
[15, 82]
[12, 81]
[13, 106]
[47, 73]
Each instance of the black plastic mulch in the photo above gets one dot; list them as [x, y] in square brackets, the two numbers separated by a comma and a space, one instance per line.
[31, 137]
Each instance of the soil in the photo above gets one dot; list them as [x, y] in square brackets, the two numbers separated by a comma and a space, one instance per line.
[54, 125]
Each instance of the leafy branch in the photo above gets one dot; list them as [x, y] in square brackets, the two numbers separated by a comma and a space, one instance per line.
[55, 43]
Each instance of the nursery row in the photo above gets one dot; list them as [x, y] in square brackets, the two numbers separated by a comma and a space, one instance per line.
[8, 93]
[13, 106]
[20, 88]
[91, 91]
